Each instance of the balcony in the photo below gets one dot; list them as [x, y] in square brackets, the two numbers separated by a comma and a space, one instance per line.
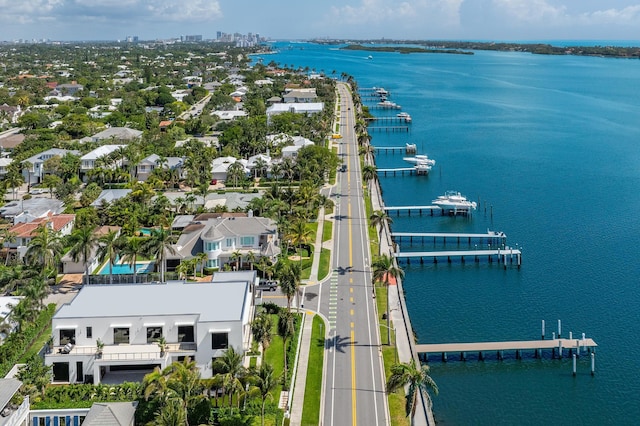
[148, 352]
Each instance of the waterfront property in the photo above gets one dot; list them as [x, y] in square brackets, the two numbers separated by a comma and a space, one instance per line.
[110, 333]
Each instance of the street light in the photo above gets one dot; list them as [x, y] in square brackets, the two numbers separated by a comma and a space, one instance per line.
[394, 339]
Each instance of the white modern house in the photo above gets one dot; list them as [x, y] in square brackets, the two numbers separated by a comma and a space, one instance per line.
[220, 167]
[88, 161]
[109, 331]
[114, 134]
[309, 108]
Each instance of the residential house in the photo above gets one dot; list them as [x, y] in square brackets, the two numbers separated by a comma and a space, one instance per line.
[146, 166]
[9, 142]
[35, 172]
[110, 195]
[13, 414]
[229, 115]
[10, 113]
[24, 232]
[221, 237]
[106, 330]
[116, 134]
[231, 200]
[309, 108]
[220, 166]
[4, 164]
[88, 161]
[100, 414]
[298, 142]
[300, 96]
[7, 325]
[70, 266]
[69, 88]
[31, 209]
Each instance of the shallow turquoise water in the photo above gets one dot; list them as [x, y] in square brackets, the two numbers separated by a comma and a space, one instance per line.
[548, 144]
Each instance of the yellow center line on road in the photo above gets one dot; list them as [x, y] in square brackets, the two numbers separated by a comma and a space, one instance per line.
[351, 312]
[350, 289]
[353, 376]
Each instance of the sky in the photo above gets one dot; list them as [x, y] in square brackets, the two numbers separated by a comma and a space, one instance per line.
[499, 20]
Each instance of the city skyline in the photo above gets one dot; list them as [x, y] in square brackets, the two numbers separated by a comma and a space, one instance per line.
[504, 20]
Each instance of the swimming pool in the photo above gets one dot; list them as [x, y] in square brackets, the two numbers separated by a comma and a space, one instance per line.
[125, 268]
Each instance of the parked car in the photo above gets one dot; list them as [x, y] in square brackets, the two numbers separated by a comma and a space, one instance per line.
[267, 285]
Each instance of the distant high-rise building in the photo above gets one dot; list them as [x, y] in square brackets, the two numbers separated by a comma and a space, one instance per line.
[191, 38]
[218, 35]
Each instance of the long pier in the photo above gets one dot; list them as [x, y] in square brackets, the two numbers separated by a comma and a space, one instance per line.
[506, 255]
[401, 170]
[393, 149]
[388, 119]
[388, 129]
[491, 237]
[556, 345]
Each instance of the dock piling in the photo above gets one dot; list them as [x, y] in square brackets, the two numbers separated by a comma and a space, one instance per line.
[574, 365]
[559, 328]
[542, 329]
[593, 363]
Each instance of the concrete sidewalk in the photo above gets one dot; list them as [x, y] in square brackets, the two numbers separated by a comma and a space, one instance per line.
[297, 403]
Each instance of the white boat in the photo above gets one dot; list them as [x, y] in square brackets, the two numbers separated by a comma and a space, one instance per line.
[423, 168]
[404, 116]
[389, 105]
[380, 91]
[420, 158]
[453, 200]
[369, 57]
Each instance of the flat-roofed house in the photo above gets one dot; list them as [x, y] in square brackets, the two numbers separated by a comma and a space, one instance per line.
[106, 330]
[309, 108]
[116, 134]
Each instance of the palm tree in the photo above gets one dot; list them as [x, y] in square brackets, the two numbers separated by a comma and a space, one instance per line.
[299, 235]
[229, 367]
[265, 382]
[202, 260]
[290, 281]
[261, 329]
[45, 248]
[236, 257]
[7, 237]
[369, 173]
[379, 219]
[83, 243]
[35, 291]
[158, 246]
[251, 258]
[131, 249]
[108, 247]
[235, 172]
[418, 380]
[384, 269]
[285, 330]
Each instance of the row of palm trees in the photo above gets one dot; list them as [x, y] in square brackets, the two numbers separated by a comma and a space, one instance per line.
[178, 390]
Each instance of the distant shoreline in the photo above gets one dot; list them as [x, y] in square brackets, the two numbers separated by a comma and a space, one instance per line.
[464, 47]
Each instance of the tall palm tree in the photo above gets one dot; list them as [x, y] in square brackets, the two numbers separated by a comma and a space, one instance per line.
[44, 249]
[202, 261]
[236, 257]
[369, 174]
[418, 380]
[158, 246]
[131, 249]
[261, 329]
[384, 269]
[299, 235]
[229, 367]
[83, 242]
[35, 291]
[265, 382]
[290, 281]
[251, 258]
[285, 331]
[380, 219]
[108, 247]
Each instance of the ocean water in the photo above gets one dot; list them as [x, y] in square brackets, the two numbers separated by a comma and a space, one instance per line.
[550, 148]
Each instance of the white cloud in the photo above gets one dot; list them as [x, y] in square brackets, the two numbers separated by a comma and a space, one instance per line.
[628, 15]
[397, 16]
[530, 10]
[158, 11]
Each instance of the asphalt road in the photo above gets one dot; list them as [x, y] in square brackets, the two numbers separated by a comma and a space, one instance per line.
[354, 380]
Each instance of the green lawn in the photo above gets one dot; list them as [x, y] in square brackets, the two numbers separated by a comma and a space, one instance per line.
[35, 347]
[327, 230]
[311, 409]
[325, 266]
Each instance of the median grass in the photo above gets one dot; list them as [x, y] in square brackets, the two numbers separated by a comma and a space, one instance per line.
[312, 394]
[327, 230]
[325, 264]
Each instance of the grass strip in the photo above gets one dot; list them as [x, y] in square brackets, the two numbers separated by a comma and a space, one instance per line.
[312, 394]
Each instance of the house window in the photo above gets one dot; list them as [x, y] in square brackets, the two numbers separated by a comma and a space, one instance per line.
[247, 241]
[212, 263]
[211, 246]
[68, 336]
[154, 334]
[120, 335]
[219, 340]
[89, 332]
[185, 334]
[231, 242]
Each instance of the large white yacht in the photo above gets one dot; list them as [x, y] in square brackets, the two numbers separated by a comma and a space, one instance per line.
[420, 159]
[453, 200]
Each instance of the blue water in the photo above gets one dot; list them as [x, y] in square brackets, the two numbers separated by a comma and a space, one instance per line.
[549, 145]
[125, 268]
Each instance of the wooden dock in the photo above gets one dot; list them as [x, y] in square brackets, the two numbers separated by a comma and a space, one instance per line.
[392, 129]
[393, 149]
[388, 119]
[494, 238]
[579, 346]
[430, 209]
[506, 256]
[401, 170]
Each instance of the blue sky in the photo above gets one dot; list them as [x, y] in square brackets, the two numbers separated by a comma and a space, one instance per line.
[289, 19]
